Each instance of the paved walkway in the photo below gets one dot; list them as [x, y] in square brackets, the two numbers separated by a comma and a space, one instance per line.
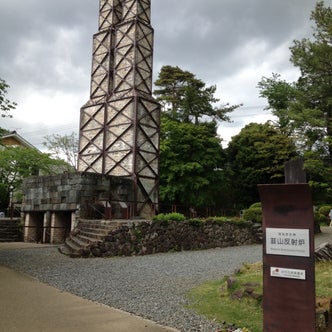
[324, 236]
[27, 305]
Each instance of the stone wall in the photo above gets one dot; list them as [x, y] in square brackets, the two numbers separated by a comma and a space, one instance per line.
[160, 236]
[323, 252]
[72, 192]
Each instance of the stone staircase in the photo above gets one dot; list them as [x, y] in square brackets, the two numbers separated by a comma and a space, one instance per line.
[10, 230]
[86, 233]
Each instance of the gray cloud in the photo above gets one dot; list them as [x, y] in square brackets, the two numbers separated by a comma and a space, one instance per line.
[46, 48]
[210, 37]
[45, 42]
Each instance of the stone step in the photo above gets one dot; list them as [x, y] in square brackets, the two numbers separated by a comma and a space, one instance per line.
[10, 239]
[73, 245]
[88, 232]
[97, 230]
[64, 250]
[92, 235]
[98, 222]
[9, 227]
[68, 251]
[71, 249]
[102, 223]
[83, 240]
[9, 223]
[10, 231]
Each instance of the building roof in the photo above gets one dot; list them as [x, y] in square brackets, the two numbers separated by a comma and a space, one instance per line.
[14, 139]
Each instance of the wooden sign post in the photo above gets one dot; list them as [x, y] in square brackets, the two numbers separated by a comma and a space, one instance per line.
[288, 258]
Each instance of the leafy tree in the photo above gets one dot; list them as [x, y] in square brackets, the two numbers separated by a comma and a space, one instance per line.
[319, 176]
[63, 147]
[5, 104]
[17, 163]
[172, 82]
[314, 59]
[190, 161]
[279, 94]
[257, 155]
[4, 197]
[3, 132]
[191, 156]
[186, 98]
[304, 107]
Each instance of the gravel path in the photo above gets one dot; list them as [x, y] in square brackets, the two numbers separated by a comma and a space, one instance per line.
[151, 286]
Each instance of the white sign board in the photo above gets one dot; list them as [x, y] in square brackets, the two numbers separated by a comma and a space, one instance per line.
[280, 272]
[288, 242]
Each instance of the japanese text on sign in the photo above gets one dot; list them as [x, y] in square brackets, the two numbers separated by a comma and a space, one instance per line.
[289, 242]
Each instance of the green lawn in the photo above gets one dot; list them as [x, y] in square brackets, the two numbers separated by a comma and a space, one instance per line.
[214, 299]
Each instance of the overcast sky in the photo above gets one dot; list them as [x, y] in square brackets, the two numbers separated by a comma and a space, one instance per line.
[46, 49]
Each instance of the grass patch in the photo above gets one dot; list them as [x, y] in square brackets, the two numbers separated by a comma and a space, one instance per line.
[237, 299]
[323, 284]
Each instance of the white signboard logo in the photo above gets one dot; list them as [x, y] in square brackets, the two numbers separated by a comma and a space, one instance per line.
[288, 242]
[280, 272]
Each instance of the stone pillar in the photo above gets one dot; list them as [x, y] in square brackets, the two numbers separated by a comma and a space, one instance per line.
[33, 228]
[73, 220]
[27, 230]
[47, 227]
[58, 229]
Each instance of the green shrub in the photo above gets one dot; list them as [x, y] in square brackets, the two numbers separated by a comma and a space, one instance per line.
[218, 220]
[255, 205]
[175, 216]
[321, 219]
[253, 214]
[196, 222]
[159, 217]
[324, 210]
[322, 215]
[238, 219]
[170, 216]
